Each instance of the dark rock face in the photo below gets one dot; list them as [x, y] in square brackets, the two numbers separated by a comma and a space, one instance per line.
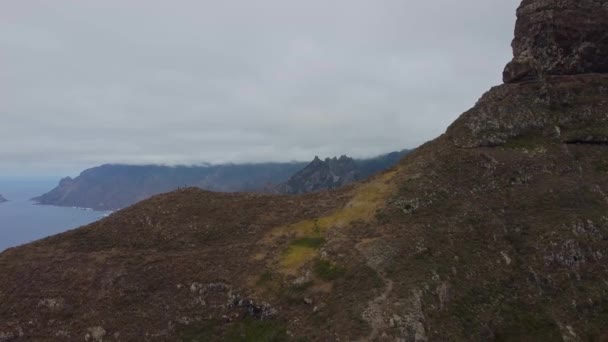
[320, 175]
[559, 37]
[565, 109]
[335, 172]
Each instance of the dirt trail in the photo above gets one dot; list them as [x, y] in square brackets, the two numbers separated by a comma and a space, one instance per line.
[374, 314]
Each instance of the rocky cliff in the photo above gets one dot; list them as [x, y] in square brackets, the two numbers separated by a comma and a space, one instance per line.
[333, 173]
[559, 38]
[495, 231]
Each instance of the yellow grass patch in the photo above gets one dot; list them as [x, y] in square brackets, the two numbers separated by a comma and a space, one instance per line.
[368, 197]
[297, 256]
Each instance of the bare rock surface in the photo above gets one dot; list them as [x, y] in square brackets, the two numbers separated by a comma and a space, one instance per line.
[559, 37]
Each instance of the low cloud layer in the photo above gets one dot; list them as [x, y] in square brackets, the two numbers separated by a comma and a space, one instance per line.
[180, 82]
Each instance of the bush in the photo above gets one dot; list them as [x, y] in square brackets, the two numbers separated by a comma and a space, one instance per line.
[326, 271]
[310, 242]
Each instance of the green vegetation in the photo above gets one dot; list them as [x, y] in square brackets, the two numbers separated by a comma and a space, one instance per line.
[295, 294]
[310, 242]
[523, 324]
[317, 227]
[525, 142]
[200, 332]
[582, 134]
[327, 271]
[367, 199]
[247, 330]
[250, 330]
[264, 278]
[602, 166]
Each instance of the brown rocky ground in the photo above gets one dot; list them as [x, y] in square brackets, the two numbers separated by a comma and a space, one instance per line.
[497, 230]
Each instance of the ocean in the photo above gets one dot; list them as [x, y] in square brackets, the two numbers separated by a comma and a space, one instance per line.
[23, 221]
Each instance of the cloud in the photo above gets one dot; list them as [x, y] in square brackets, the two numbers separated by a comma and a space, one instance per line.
[90, 82]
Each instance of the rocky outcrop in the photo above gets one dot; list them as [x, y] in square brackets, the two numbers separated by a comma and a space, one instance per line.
[320, 175]
[556, 85]
[333, 173]
[559, 37]
[565, 109]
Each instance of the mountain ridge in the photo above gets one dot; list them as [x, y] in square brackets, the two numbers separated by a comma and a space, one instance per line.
[335, 172]
[116, 186]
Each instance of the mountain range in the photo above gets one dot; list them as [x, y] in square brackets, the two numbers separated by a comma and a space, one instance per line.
[495, 231]
[112, 187]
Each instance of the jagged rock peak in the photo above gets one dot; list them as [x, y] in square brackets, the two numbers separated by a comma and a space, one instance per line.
[559, 37]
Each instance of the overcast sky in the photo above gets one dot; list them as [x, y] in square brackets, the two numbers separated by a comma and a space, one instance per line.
[178, 82]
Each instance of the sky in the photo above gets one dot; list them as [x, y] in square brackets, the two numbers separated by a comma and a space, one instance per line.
[84, 83]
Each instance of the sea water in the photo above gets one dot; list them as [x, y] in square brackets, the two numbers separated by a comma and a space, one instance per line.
[23, 221]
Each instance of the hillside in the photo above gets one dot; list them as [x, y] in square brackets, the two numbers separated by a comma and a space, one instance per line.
[495, 231]
[333, 173]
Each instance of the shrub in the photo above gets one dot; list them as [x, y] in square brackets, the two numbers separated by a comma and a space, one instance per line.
[327, 271]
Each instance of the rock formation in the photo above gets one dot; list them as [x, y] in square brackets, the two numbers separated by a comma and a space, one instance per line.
[323, 175]
[333, 173]
[559, 37]
[563, 46]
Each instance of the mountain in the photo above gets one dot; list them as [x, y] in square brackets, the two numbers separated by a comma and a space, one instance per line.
[335, 172]
[111, 187]
[115, 186]
[2, 199]
[495, 231]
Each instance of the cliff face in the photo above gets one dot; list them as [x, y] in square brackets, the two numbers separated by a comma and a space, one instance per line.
[555, 85]
[495, 231]
[559, 37]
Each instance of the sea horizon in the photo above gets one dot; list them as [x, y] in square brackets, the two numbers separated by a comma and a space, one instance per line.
[23, 221]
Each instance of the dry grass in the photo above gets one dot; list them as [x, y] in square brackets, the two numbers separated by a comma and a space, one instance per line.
[366, 200]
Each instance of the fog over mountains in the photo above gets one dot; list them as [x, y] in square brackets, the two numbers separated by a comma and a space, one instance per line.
[111, 187]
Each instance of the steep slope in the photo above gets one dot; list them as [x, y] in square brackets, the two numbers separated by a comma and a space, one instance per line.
[333, 173]
[497, 230]
[111, 187]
